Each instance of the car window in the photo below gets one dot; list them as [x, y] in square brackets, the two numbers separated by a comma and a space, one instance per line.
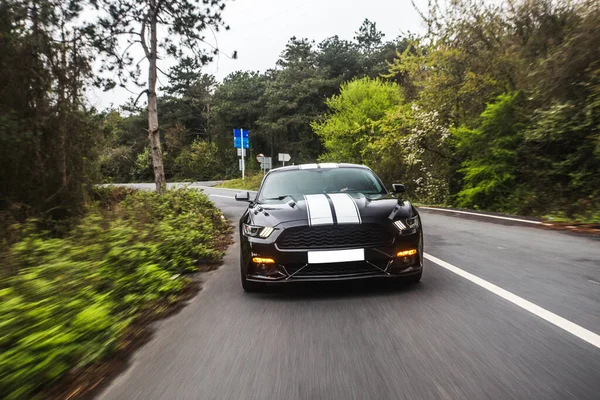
[315, 181]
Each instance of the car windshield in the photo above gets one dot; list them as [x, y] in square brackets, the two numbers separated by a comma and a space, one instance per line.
[279, 185]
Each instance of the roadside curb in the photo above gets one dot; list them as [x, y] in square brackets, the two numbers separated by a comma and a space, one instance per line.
[585, 229]
[503, 217]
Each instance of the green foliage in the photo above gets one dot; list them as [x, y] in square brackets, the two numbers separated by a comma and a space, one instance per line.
[204, 161]
[490, 165]
[415, 150]
[47, 139]
[142, 169]
[532, 153]
[448, 79]
[277, 106]
[368, 37]
[355, 118]
[251, 182]
[369, 123]
[73, 297]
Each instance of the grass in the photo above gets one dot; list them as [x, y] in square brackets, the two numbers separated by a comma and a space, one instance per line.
[250, 183]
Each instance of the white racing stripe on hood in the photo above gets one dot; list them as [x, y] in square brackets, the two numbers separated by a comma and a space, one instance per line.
[345, 208]
[319, 211]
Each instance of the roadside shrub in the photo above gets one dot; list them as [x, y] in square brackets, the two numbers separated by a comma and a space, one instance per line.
[73, 297]
[251, 182]
[116, 164]
[204, 161]
[142, 168]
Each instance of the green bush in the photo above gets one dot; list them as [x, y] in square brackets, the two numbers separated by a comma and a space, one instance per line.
[73, 297]
[204, 161]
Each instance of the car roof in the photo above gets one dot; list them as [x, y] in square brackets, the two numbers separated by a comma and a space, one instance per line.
[317, 166]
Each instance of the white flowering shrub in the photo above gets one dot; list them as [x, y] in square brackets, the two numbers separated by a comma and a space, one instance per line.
[414, 150]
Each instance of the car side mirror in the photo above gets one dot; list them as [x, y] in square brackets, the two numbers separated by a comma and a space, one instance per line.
[242, 196]
[398, 188]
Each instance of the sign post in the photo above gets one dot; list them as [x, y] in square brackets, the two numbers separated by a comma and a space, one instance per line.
[284, 157]
[265, 162]
[242, 142]
[260, 158]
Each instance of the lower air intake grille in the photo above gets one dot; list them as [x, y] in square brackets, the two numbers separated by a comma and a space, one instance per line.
[333, 236]
[333, 269]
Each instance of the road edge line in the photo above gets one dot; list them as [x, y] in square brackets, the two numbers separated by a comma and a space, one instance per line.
[556, 320]
[481, 215]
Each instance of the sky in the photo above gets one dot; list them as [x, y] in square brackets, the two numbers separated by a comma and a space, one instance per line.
[261, 28]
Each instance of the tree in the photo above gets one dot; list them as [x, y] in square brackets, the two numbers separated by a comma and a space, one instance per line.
[293, 97]
[413, 148]
[491, 168]
[338, 60]
[140, 22]
[47, 138]
[355, 118]
[368, 37]
[238, 102]
[190, 99]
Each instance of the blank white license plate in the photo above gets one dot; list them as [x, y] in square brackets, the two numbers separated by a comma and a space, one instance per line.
[333, 256]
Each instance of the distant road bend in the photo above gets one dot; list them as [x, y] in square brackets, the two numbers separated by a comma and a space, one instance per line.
[504, 311]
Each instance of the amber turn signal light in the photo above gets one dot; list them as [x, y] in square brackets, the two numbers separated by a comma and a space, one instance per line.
[261, 260]
[406, 253]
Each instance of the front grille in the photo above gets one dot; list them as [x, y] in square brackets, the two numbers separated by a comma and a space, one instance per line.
[334, 269]
[333, 236]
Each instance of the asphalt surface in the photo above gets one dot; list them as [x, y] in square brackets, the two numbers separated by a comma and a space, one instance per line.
[445, 338]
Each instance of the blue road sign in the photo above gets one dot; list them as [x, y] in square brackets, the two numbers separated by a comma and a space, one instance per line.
[241, 139]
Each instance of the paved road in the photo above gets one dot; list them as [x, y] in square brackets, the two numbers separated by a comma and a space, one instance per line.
[446, 338]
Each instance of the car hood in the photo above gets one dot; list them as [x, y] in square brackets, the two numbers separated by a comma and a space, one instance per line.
[330, 209]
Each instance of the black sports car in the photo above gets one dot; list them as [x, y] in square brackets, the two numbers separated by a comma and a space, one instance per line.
[327, 222]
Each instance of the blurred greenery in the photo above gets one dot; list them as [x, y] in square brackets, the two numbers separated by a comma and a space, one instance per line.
[66, 302]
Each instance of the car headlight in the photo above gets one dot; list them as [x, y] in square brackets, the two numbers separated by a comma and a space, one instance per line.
[409, 223]
[257, 231]
[413, 223]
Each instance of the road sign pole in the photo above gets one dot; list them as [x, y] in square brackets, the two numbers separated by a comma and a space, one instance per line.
[283, 157]
[243, 164]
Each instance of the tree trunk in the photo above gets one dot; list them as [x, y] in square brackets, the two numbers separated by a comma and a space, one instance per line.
[153, 133]
[62, 110]
[208, 123]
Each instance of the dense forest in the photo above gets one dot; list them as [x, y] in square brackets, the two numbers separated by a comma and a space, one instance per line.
[495, 107]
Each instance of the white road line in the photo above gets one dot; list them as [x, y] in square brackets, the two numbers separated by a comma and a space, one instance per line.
[218, 195]
[481, 215]
[554, 319]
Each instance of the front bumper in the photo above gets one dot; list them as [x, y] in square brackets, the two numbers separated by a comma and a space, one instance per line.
[293, 265]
